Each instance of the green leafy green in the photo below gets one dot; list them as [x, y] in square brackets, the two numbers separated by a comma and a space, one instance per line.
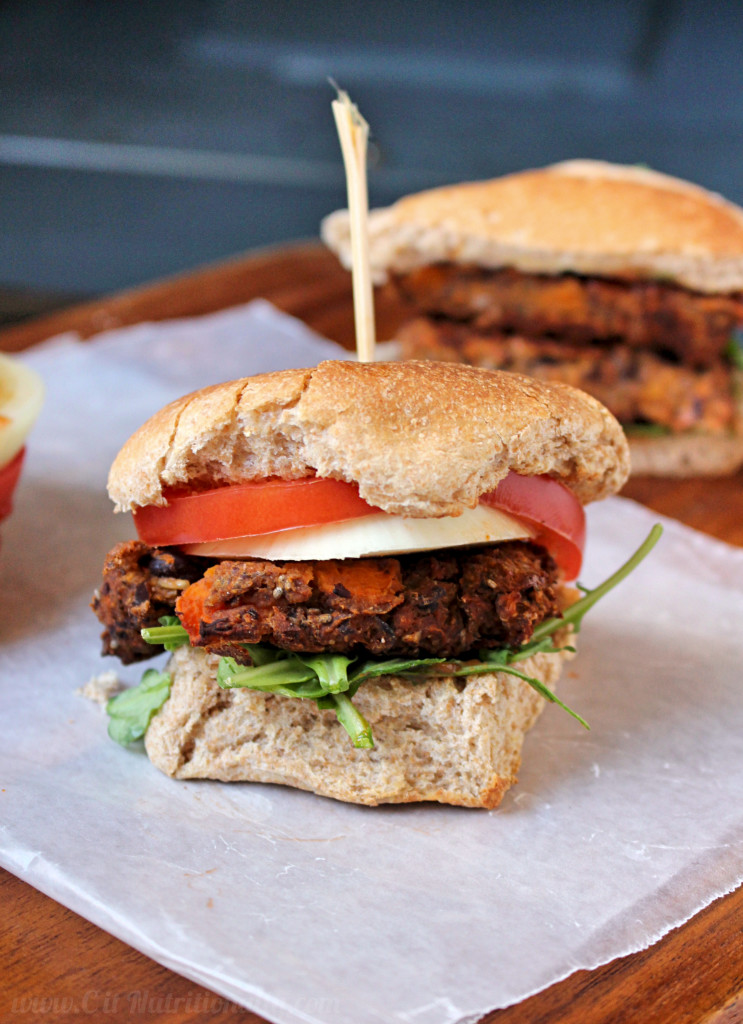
[392, 667]
[734, 351]
[331, 671]
[130, 712]
[542, 689]
[324, 678]
[170, 633]
[286, 674]
[576, 612]
[353, 721]
[646, 430]
[332, 680]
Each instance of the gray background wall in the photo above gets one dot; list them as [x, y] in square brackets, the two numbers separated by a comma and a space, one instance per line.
[141, 138]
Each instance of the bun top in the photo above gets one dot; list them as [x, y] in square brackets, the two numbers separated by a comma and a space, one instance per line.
[581, 216]
[419, 439]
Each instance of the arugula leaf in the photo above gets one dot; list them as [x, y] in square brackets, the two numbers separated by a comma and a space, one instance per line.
[260, 654]
[285, 675]
[646, 430]
[542, 689]
[500, 661]
[353, 721]
[576, 612]
[322, 678]
[542, 639]
[170, 633]
[734, 351]
[331, 670]
[545, 645]
[226, 668]
[392, 667]
[131, 711]
[331, 680]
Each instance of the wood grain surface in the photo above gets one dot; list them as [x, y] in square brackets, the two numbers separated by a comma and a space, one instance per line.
[56, 966]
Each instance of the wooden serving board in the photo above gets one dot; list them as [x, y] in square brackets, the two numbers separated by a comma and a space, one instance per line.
[56, 966]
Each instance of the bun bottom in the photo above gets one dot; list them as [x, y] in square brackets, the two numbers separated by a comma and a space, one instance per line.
[686, 455]
[447, 740]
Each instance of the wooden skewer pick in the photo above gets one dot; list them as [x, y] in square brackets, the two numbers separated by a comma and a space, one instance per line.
[353, 132]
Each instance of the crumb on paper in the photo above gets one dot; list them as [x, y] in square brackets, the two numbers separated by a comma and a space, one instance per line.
[101, 688]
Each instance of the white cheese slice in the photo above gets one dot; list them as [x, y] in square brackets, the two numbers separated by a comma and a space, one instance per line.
[378, 534]
[21, 396]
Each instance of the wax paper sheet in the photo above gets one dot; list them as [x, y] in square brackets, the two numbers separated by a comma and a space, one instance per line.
[304, 909]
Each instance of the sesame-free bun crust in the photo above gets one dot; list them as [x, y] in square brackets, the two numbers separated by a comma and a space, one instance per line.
[581, 216]
[419, 438]
[442, 740]
[685, 455]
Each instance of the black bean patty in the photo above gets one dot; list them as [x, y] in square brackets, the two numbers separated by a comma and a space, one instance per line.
[441, 603]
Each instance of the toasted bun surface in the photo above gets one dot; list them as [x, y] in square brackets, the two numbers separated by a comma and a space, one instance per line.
[581, 216]
[440, 740]
[683, 455]
[419, 439]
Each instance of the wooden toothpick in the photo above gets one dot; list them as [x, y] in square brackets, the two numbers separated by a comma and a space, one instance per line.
[353, 132]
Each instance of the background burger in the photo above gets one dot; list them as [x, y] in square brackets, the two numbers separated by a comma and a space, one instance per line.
[618, 280]
[361, 570]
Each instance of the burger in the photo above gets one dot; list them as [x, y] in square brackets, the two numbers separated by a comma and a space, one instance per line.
[621, 281]
[362, 572]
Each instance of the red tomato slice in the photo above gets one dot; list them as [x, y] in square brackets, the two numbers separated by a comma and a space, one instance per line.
[269, 506]
[245, 510]
[552, 510]
[9, 475]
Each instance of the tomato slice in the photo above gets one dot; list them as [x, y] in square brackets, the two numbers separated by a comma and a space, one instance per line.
[270, 506]
[552, 510]
[9, 475]
[246, 510]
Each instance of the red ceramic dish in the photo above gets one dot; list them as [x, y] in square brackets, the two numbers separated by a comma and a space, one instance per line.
[9, 476]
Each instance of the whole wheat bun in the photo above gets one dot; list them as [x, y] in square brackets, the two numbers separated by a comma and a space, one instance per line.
[419, 438]
[440, 740]
[685, 455]
[582, 216]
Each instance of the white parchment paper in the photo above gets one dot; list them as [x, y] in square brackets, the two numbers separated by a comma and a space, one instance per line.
[308, 910]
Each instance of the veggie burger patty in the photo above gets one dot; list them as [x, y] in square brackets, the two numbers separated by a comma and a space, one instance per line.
[442, 603]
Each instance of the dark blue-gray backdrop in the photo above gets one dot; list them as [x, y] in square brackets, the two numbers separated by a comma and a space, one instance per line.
[141, 138]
